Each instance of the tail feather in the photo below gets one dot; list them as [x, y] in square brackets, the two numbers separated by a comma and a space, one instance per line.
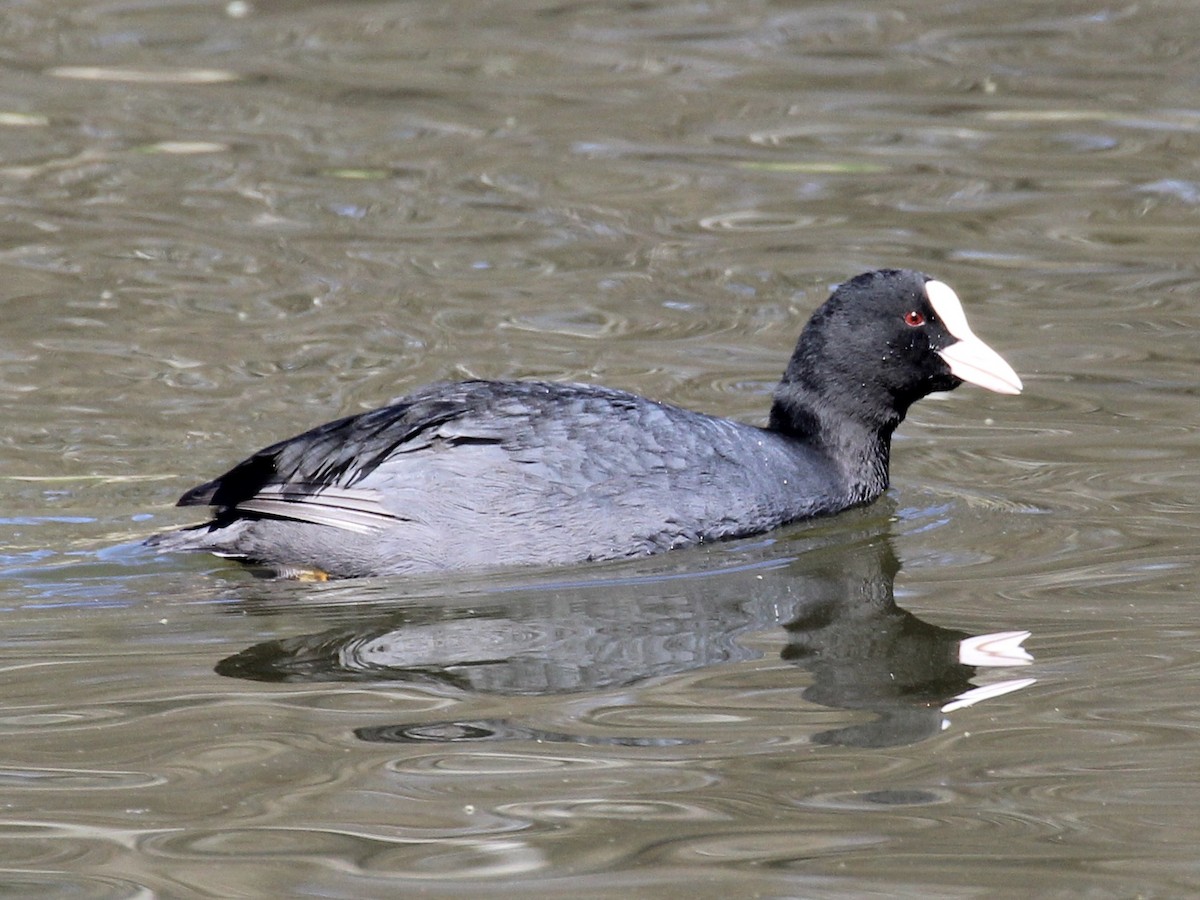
[209, 537]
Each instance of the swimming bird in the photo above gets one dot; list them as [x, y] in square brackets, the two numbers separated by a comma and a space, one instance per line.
[486, 474]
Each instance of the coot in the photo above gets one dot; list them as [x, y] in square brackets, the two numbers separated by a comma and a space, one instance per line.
[480, 474]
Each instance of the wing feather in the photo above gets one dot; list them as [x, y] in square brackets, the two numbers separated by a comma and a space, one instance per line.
[351, 510]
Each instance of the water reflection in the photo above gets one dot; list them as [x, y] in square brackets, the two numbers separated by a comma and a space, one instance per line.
[835, 604]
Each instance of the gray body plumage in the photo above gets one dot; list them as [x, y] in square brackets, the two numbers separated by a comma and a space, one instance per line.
[479, 474]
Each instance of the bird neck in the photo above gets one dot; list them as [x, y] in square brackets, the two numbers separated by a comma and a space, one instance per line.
[857, 438]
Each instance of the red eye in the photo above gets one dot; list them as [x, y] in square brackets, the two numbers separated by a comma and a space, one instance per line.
[914, 318]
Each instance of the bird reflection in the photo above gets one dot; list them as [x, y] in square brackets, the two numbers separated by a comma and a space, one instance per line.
[834, 602]
[866, 653]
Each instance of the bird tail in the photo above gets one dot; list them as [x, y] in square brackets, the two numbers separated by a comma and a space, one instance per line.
[209, 537]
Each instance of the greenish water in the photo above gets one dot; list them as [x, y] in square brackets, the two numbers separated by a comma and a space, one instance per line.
[224, 224]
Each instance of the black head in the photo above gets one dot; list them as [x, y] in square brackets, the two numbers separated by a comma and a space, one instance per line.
[882, 341]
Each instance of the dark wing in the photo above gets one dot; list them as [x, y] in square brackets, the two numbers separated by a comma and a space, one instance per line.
[315, 476]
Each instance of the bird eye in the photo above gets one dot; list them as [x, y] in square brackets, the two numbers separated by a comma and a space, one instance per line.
[914, 318]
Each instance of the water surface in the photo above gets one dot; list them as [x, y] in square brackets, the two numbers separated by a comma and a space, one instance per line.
[224, 224]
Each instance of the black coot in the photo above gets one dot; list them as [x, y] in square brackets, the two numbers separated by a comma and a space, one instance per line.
[483, 474]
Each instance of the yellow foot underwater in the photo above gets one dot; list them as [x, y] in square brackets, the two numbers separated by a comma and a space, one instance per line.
[301, 573]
